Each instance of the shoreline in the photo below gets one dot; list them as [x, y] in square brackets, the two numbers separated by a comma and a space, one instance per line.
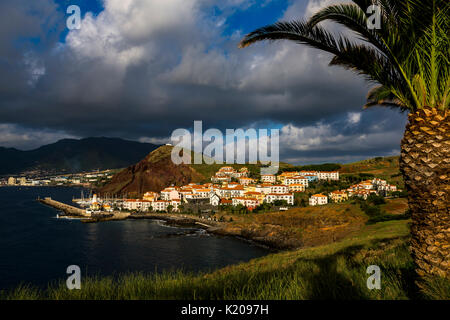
[268, 235]
[184, 220]
[213, 227]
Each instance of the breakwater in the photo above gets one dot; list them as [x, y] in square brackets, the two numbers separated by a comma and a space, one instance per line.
[67, 209]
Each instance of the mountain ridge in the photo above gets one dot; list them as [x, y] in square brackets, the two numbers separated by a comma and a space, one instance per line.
[75, 155]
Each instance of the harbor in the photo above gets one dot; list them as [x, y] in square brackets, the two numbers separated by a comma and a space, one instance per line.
[67, 209]
[88, 214]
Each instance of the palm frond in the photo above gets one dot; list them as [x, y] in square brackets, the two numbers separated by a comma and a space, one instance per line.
[409, 56]
[298, 31]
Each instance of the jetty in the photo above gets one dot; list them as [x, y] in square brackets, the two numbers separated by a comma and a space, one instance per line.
[67, 209]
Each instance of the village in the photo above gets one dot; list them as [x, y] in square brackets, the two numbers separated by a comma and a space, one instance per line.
[83, 179]
[230, 189]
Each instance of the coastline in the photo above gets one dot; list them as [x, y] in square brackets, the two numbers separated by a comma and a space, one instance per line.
[212, 227]
[274, 243]
[267, 231]
[184, 220]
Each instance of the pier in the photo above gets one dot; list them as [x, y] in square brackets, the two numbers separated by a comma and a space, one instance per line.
[69, 210]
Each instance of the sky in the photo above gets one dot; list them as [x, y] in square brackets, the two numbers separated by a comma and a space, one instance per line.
[139, 69]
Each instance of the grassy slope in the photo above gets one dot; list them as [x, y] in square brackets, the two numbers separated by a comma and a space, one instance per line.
[395, 206]
[210, 170]
[336, 271]
[297, 227]
[386, 168]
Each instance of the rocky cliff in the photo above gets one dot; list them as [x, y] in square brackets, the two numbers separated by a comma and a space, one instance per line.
[155, 172]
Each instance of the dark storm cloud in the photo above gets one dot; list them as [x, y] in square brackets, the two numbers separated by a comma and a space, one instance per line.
[142, 69]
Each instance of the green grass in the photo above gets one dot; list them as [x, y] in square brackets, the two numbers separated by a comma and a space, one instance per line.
[209, 170]
[334, 271]
[386, 168]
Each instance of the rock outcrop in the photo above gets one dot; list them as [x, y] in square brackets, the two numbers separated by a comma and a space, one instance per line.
[154, 173]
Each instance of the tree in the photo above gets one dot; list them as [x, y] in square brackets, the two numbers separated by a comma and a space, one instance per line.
[408, 58]
[279, 203]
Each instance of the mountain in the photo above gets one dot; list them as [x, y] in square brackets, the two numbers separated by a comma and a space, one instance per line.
[71, 155]
[155, 172]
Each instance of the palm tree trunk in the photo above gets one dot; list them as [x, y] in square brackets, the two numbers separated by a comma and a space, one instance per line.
[425, 165]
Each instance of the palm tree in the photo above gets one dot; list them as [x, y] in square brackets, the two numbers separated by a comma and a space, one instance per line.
[408, 59]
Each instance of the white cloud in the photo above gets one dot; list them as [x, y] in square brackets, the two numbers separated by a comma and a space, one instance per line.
[154, 140]
[354, 117]
[141, 68]
[201, 67]
[328, 137]
[36, 68]
[315, 5]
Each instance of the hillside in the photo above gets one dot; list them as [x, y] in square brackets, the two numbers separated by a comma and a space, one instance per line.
[155, 172]
[386, 168]
[297, 227]
[71, 155]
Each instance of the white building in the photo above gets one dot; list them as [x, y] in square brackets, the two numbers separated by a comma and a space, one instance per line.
[246, 181]
[218, 179]
[160, 205]
[288, 197]
[246, 202]
[170, 193]
[268, 178]
[378, 182]
[328, 175]
[387, 187]
[279, 189]
[175, 204]
[214, 199]
[297, 187]
[318, 200]
[201, 193]
[296, 180]
[366, 185]
[135, 204]
[264, 188]
[308, 173]
[225, 192]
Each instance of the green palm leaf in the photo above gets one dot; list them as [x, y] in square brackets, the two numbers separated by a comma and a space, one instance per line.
[408, 56]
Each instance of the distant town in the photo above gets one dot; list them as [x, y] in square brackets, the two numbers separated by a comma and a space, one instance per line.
[232, 189]
[84, 179]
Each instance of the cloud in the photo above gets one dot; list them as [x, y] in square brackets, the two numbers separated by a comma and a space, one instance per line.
[140, 69]
[12, 136]
[374, 134]
[354, 117]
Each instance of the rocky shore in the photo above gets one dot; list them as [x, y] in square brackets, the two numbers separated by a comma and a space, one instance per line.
[210, 226]
[273, 230]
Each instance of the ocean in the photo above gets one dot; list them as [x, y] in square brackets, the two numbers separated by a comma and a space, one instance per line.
[36, 248]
